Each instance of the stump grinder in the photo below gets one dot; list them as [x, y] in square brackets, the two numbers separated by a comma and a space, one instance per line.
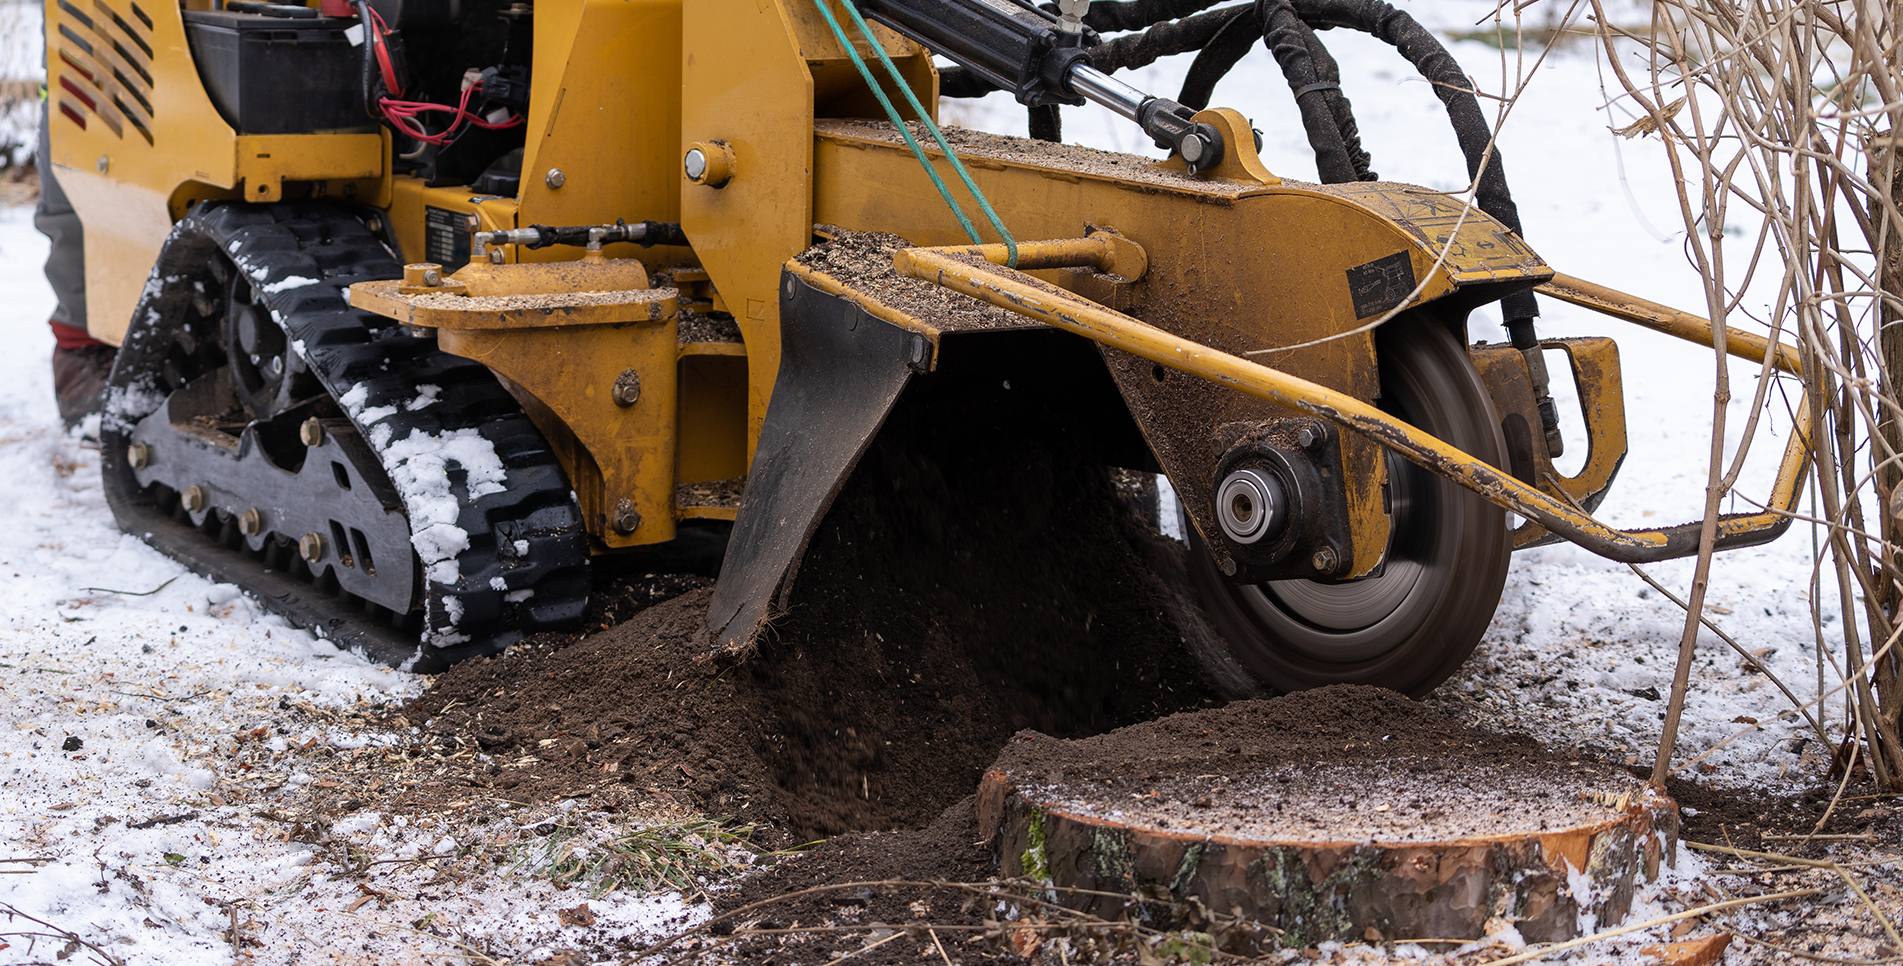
[424, 305]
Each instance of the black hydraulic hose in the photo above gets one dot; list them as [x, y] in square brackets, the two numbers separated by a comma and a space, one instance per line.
[1338, 105]
[1456, 93]
[1455, 89]
[957, 81]
[1047, 123]
[1140, 14]
[1162, 40]
[1230, 44]
[1287, 37]
[369, 78]
[1214, 62]
[1132, 50]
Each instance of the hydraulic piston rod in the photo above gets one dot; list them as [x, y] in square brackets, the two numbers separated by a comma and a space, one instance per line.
[1043, 60]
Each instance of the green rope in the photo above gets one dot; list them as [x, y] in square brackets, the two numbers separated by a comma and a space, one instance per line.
[898, 121]
[898, 80]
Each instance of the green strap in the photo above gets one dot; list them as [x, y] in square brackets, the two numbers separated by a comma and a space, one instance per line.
[984, 204]
[898, 121]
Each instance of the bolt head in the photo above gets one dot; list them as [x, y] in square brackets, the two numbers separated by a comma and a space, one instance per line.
[627, 389]
[432, 276]
[193, 499]
[694, 164]
[251, 522]
[311, 432]
[626, 518]
[311, 547]
[1310, 436]
[104, 164]
[555, 178]
[1323, 560]
[139, 455]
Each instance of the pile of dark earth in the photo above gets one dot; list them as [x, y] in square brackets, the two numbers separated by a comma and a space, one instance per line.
[960, 590]
[959, 593]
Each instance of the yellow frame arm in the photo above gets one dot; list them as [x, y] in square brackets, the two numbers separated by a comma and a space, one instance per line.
[975, 270]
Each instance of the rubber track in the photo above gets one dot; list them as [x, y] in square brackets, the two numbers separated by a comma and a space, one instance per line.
[526, 542]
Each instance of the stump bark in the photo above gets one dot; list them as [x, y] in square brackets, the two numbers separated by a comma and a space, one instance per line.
[1378, 843]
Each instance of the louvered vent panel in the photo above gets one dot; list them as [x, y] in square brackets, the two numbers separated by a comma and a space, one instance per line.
[105, 47]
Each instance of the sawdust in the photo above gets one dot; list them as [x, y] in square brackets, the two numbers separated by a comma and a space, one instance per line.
[1405, 799]
[863, 262]
[709, 493]
[703, 327]
[976, 147]
[539, 302]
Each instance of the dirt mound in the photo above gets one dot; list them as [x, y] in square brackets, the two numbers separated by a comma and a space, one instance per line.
[957, 594]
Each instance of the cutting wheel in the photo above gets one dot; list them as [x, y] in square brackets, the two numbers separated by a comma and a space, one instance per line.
[1409, 626]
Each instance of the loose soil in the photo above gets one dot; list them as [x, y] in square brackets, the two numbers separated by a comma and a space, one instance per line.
[956, 595]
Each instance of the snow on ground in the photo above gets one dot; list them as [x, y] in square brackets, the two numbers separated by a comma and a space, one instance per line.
[157, 720]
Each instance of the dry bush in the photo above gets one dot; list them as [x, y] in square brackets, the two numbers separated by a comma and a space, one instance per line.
[20, 74]
[1786, 113]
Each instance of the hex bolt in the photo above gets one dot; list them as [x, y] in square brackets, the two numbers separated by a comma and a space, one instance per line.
[1323, 560]
[626, 518]
[251, 522]
[432, 276]
[311, 431]
[1227, 564]
[311, 547]
[1311, 436]
[139, 455]
[555, 178]
[193, 499]
[627, 390]
[104, 164]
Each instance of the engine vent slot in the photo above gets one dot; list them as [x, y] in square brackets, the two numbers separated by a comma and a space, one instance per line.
[105, 47]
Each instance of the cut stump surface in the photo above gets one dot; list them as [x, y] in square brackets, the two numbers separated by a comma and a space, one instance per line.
[1341, 814]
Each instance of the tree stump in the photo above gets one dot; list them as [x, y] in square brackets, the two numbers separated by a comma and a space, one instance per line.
[1266, 825]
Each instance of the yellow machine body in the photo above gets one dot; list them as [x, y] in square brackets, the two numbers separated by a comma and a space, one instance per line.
[1286, 277]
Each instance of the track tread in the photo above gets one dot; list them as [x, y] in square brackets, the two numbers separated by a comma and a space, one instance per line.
[346, 350]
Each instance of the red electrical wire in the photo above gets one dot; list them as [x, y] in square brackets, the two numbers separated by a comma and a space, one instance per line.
[388, 69]
[406, 116]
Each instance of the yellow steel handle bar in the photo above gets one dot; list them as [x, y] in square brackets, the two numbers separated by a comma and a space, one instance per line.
[974, 270]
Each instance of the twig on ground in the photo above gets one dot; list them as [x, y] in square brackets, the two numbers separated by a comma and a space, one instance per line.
[865, 949]
[1604, 934]
[8, 908]
[133, 593]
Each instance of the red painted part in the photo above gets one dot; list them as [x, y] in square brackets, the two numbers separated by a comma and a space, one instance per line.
[71, 336]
